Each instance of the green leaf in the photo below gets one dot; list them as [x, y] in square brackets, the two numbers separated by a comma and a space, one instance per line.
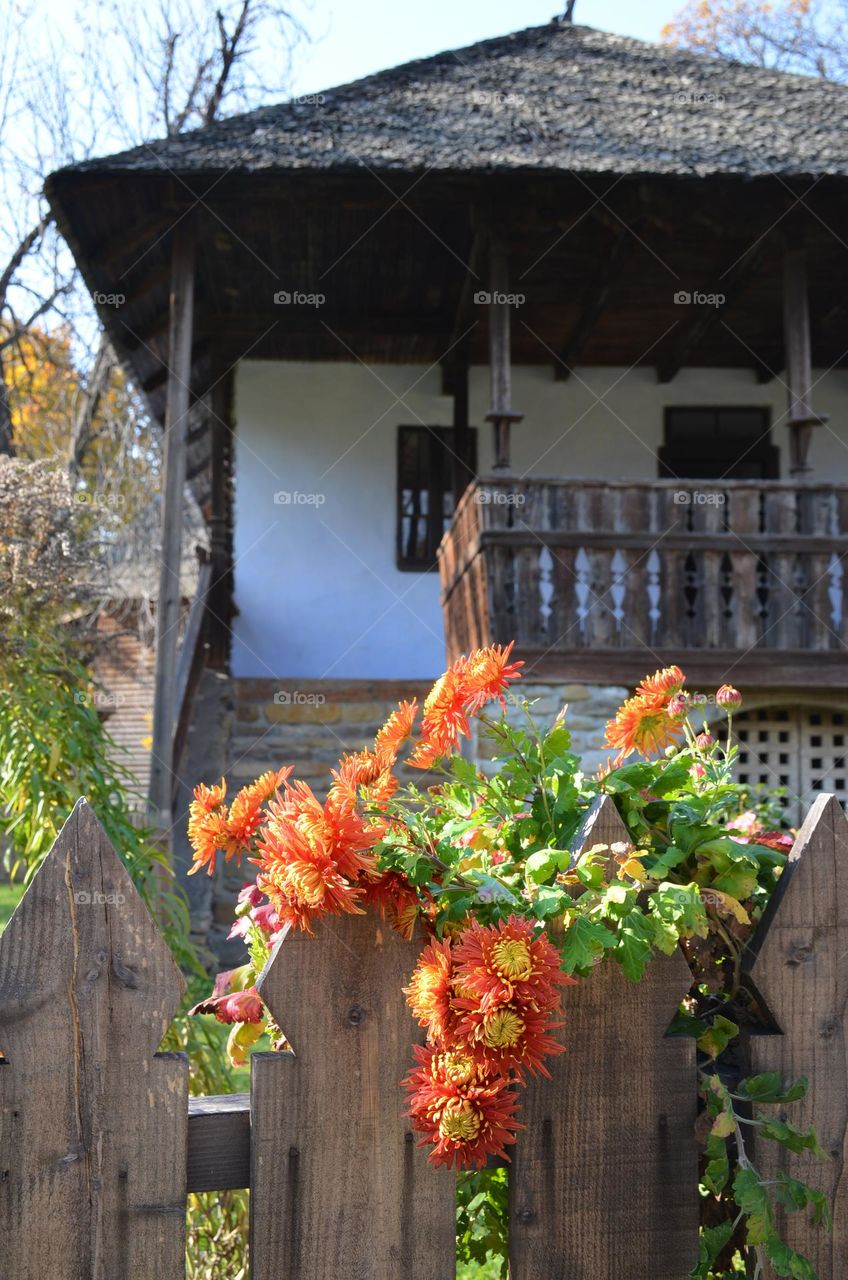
[585, 942]
[795, 1195]
[792, 1138]
[752, 1198]
[717, 1170]
[786, 1261]
[718, 1036]
[540, 866]
[712, 1241]
[768, 1087]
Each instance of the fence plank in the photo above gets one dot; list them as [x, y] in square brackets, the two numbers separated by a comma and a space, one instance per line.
[92, 1120]
[603, 1184]
[799, 965]
[339, 1186]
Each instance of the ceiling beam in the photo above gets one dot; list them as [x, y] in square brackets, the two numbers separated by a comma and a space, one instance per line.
[704, 318]
[594, 302]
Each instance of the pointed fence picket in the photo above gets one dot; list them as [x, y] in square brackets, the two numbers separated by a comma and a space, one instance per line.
[98, 1145]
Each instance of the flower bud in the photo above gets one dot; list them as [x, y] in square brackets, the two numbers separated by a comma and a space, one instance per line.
[677, 706]
[704, 741]
[728, 698]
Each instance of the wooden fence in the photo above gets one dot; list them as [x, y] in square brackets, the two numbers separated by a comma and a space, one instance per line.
[99, 1142]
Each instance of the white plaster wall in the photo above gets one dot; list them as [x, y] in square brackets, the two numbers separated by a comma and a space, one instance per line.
[315, 580]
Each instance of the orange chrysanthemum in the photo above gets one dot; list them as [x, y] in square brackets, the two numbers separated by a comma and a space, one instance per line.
[466, 1115]
[668, 681]
[464, 688]
[487, 675]
[246, 809]
[507, 1038]
[207, 825]
[300, 879]
[391, 737]
[499, 964]
[643, 724]
[430, 992]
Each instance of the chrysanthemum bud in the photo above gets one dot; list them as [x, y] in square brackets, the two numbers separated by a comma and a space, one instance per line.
[728, 698]
[704, 741]
[677, 706]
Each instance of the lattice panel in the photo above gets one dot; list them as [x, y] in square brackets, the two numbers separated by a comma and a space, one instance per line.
[804, 749]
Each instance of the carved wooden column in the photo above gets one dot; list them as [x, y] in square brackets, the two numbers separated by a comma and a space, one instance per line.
[168, 605]
[799, 364]
[501, 414]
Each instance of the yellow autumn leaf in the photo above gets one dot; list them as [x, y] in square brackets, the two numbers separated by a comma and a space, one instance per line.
[727, 903]
[633, 867]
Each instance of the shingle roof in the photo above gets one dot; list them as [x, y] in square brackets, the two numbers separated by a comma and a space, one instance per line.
[557, 97]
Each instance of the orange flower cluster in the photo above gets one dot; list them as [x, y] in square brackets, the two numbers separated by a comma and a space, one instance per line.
[213, 828]
[652, 719]
[461, 692]
[488, 1002]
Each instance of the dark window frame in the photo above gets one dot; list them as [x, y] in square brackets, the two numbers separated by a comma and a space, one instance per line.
[672, 466]
[439, 436]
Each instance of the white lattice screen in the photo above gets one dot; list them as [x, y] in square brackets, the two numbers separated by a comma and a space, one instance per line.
[804, 749]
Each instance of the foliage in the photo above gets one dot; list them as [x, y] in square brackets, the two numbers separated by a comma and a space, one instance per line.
[483, 858]
[806, 36]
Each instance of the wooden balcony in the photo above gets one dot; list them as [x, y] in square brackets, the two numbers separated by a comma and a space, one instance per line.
[604, 580]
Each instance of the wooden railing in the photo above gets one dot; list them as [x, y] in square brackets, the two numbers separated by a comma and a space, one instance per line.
[99, 1143]
[608, 579]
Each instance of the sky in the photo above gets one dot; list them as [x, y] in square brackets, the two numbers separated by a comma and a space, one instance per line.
[352, 38]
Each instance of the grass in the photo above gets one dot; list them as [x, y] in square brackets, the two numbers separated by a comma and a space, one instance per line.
[9, 896]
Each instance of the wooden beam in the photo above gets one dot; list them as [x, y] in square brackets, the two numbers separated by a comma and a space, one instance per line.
[501, 414]
[465, 315]
[219, 1142]
[221, 607]
[168, 604]
[704, 318]
[799, 360]
[463, 472]
[594, 303]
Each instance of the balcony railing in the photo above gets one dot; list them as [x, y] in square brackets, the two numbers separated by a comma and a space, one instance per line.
[599, 579]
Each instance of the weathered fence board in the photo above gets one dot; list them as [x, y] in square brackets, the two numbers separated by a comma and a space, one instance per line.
[604, 1180]
[339, 1186]
[799, 965]
[92, 1120]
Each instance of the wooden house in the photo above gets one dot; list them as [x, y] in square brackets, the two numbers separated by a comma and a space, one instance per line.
[562, 312]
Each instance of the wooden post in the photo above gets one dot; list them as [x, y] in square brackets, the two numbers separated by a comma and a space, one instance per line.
[220, 531]
[798, 962]
[93, 1121]
[463, 469]
[799, 364]
[173, 481]
[339, 1185]
[604, 1180]
[501, 414]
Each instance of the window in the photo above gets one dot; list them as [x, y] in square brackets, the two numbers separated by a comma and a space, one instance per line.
[804, 749]
[718, 443]
[425, 492]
